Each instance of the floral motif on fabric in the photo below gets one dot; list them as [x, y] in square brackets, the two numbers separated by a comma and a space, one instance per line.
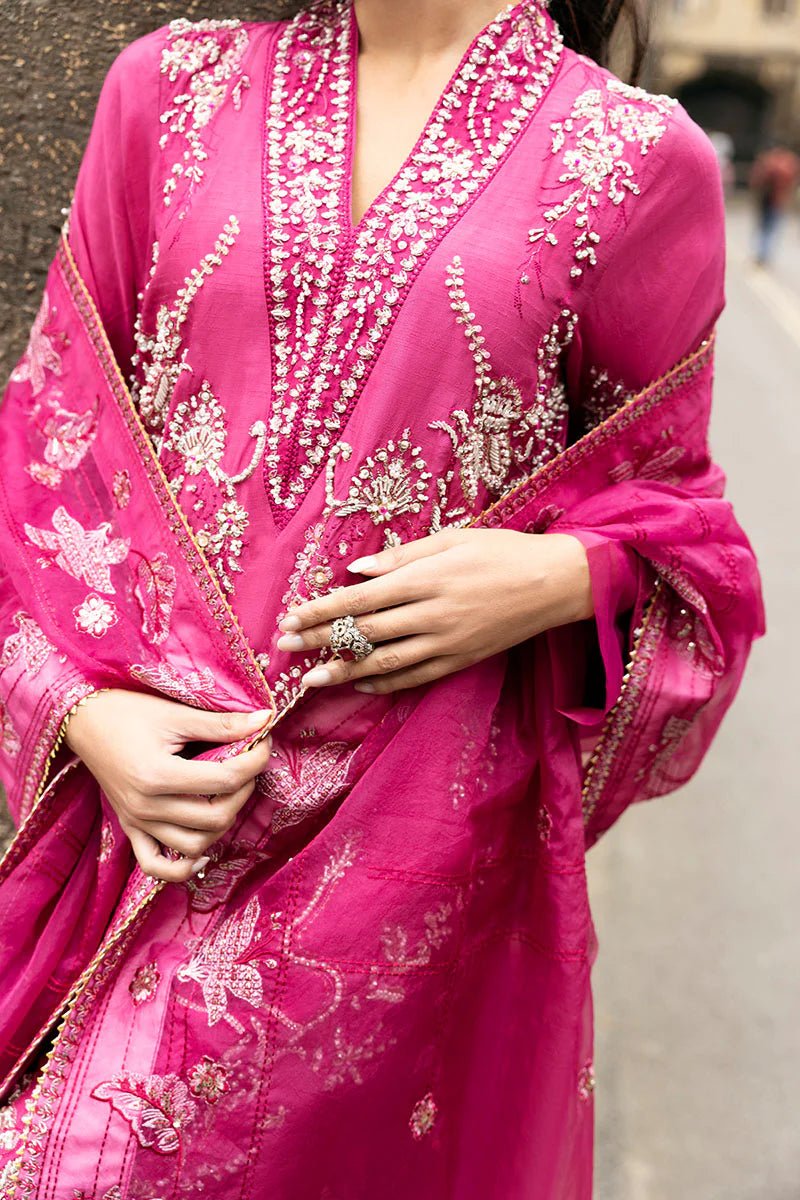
[144, 984]
[656, 464]
[391, 483]
[85, 554]
[41, 354]
[423, 1117]
[95, 616]
[600, 141]
[303, 780]
[10, 742]
[157, 1107]
[10, 1129]
[605, 397]
[155, 591]
[107, 842]
[229, 864]
[586, 1082]
[198, 688]
[206, 58]
[29, 644]
[193, 446]
[209, 1080]
[121, 488]
[222, 967]
[160, 357]
[503, 433]
[323, 351]
[67, 438]
[312, 575]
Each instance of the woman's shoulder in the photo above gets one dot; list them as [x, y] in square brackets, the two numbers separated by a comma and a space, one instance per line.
[625, 122]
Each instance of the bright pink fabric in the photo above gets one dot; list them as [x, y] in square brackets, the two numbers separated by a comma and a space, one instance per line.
[381, 987]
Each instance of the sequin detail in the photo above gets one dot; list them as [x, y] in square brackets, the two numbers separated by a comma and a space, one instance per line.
[607, 129]
[323, 350]
[423, 1117]
[206, 56]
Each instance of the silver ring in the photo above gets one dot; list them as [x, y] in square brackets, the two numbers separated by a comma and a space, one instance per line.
[345, 635]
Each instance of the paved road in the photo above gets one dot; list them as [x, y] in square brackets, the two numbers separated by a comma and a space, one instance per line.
[697, 896]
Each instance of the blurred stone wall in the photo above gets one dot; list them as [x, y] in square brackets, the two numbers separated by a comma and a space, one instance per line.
[53, 58]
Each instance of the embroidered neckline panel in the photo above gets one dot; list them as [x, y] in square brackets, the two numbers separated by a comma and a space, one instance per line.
[333, 290]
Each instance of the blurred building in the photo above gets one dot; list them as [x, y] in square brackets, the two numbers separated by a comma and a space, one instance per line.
[734, 64]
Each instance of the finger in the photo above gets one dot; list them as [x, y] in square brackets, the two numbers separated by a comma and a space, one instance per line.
[173, 775]
[153, 863]
[192, 843]
[400, 587]
[400, 556]
[219, 728]
[394, 656]
[421, 673]
[213, 815]
[385, 626]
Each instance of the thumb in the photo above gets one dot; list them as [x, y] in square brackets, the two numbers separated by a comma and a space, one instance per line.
[221, 727]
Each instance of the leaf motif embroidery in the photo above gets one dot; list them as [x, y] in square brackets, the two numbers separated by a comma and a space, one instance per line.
[218, 968]
[155, 592]
[157, 1107]
[84, 554]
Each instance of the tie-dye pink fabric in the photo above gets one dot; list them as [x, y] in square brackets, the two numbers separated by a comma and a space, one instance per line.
[381, 986]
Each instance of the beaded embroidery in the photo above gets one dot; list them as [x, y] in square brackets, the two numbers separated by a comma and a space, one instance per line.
[211, 53]
[597, 141]
[333, 292]
[159, 357]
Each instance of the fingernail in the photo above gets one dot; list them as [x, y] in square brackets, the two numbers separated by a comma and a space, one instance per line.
[200, 865]
[290, 623]
[261, 717]
[361, 565]
[291, 641]
[364, 687]
[318, 677]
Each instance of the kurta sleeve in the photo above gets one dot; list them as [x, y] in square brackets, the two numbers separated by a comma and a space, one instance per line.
[112, 221]
[656, 295]
[110, 229]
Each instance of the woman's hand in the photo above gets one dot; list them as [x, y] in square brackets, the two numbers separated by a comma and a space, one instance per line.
[130, 742]
[445, 602]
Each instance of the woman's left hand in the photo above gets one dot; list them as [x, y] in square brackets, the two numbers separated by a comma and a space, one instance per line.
[437, 605]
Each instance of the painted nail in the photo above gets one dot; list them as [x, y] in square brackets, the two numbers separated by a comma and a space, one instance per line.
[318, 677]
[200, 865]
[289, 624]
[364, 687]
[362, 564]
[290, 641]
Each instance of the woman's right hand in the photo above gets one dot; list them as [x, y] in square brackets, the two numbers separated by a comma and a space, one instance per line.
[131, 743]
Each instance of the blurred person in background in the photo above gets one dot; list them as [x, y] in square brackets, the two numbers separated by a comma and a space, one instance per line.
[773, 182]
[361, 561]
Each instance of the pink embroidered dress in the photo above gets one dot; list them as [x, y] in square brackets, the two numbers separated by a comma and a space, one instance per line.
[381, 986]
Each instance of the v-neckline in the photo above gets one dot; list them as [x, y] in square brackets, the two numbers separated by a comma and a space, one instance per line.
[335, 287]
[350, 227]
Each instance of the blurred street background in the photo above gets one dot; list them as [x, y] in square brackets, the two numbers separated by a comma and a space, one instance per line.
[696, 896]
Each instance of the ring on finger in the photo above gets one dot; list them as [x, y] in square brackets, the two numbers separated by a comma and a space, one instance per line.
[347, 637]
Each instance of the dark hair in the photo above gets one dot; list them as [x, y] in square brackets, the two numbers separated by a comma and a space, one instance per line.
[589, 26]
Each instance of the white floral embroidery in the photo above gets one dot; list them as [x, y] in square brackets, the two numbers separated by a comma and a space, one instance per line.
[157, 1107]
[391, 482]
[41, 355]
[302, 780]
[29, 643]
[323, 350]
[86, 554]
[95, 615]
[211, 54]
[198, 688]
[197, 435]
[155, 592]
[503, 431]
[160, 358]
[220, 966]
[606, 128]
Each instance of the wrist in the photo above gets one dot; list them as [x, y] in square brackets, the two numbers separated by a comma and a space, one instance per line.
[73, 724]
